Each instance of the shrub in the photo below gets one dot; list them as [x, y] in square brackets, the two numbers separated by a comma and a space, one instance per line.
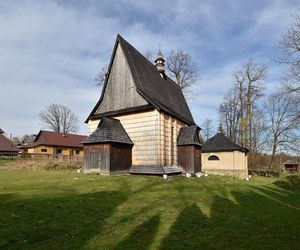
[44, 164]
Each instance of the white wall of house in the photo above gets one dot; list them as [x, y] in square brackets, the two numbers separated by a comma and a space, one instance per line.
[230, 163]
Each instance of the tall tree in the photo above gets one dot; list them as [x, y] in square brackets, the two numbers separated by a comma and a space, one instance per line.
[249, 85]
[229, 115]
[59, 118]
[259, 137]
[290, 47]
[283, 112]
[182, 68]
[207, 129]
[239, 110]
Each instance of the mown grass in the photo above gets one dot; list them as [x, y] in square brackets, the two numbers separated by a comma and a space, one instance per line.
[66, 210]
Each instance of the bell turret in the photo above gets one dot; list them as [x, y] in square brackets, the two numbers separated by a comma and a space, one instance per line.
[160, 63]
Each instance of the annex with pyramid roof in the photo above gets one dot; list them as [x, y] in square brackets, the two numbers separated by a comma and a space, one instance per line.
[222, 156]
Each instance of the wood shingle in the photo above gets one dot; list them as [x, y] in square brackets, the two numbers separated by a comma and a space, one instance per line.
[109, 130]
[219, 143]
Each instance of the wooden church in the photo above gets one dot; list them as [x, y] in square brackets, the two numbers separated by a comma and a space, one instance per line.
[141, 123]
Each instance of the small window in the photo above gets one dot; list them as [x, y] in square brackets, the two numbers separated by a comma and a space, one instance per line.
[59, 151]
[44, 150]
[213, 158]
[77, 151]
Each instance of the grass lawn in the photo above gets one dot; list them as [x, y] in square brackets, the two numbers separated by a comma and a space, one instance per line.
[66, 210]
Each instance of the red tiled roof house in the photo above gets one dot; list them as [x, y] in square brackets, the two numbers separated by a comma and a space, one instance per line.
[54, 143]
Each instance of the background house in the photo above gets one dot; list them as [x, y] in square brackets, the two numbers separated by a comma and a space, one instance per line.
[54, 143]
[151, 109]
[291, 166]
[222, 156]
[6, 146]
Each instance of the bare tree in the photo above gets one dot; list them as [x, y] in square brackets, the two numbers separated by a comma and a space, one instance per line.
[259, 137]
[283, 112]
[229, 115]
[207, 129]
[249, 85]
[290, 47]
[101, 76]
[182, 68]
[239, 113]
[259, 131]
[59, 118]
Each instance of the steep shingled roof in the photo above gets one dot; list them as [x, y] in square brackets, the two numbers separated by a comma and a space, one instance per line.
[51, 138]
[163, 94]
[189, 136]
[109, 130]
[219, 143]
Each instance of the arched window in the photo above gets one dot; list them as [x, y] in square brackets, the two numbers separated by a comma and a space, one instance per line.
[213, 158]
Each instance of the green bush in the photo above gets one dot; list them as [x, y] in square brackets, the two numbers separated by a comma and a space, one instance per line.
[44, 164]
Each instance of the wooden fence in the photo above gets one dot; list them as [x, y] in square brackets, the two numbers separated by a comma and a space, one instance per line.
[265, 172]
[64, 159]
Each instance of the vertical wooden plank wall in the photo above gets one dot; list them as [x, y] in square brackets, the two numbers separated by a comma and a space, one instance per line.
[120, 91]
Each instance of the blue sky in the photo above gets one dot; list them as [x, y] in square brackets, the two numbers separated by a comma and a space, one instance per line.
[51, 51]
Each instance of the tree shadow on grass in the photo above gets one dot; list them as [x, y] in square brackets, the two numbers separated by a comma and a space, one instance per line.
[65, 222]
[143, 235]
[258, 219]
[184, 234]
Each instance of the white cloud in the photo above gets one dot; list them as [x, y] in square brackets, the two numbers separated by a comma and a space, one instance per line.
[51, 50]
[49, 54]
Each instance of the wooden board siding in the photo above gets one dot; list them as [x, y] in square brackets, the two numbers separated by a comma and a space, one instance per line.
[97, 158]
[107, 158]
[120, 158]
[150, 131]
[120, 92]
[189, 158]
[197, 159]
[143, 130]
